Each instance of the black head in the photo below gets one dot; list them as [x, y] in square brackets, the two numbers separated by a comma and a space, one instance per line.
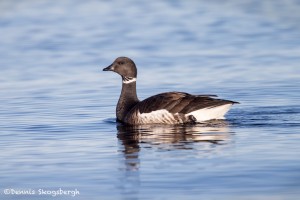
[123, 66]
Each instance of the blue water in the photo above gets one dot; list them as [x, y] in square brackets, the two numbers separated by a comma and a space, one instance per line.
[57, 120]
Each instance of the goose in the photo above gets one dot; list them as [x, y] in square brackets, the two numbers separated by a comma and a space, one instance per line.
[164, 108]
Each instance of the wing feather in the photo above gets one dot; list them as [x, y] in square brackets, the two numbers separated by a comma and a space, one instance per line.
[179, 102]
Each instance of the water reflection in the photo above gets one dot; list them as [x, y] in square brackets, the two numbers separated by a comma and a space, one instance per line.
[134, 139]
[164, 137]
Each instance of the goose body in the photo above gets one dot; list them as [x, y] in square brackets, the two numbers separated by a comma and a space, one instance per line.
[164, 108]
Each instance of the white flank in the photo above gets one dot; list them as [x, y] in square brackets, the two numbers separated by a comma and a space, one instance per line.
[129, 81]
[158, 116]
[164, 117]
[210, 113]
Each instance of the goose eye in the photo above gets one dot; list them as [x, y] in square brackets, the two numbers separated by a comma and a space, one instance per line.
[121, 63]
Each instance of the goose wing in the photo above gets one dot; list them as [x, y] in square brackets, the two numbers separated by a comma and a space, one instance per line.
[179, 102]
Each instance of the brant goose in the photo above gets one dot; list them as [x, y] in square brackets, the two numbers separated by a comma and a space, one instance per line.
[164, 108]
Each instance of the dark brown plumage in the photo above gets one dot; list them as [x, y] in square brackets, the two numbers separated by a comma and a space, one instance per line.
[179, 102]
[165, 108]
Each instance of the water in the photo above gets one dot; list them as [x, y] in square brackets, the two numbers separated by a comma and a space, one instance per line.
[57, 120]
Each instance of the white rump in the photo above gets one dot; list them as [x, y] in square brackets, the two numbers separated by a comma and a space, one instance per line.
[206, 114]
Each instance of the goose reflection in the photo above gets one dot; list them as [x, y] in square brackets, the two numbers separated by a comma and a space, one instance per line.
[180, 137]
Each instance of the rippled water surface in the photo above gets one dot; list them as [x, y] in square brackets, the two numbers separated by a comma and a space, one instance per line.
[57, 120]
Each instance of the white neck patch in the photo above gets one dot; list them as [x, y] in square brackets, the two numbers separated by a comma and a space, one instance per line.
[127, 80]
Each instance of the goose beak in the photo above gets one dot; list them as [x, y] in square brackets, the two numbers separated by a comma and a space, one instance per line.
[109, 68]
